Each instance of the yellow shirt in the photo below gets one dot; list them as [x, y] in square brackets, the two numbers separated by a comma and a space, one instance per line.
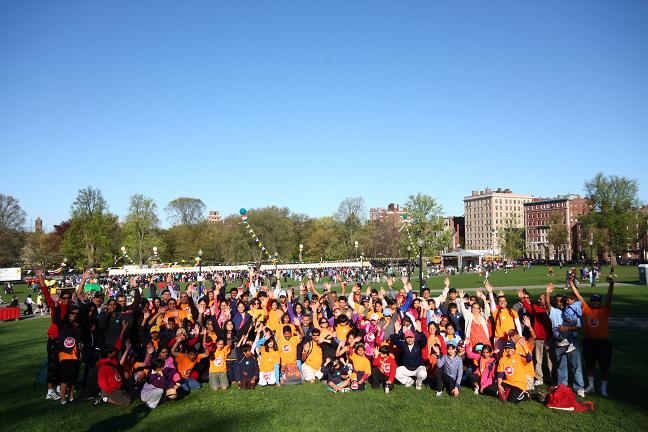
[314, 358]
[268, 360]
[514, 371]
[361, 364]
[288, 349]
[219, 363]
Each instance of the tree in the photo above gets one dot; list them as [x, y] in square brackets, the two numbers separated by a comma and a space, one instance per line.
[426, 216]
[93, 234]
[511, 240]
[558, 235]
[350, 215]
[186, 211]
[40, 251]
[141, 227]
[12, 222]
[613, 200]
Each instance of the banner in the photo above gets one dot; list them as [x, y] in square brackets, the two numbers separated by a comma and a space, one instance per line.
[10, 274]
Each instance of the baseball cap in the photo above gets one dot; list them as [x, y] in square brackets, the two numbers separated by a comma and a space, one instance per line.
[509, 344]
[374, 317]
[155, 329]
[409, 333]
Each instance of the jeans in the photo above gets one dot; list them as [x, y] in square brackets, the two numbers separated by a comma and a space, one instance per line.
[570, 362]
[190, 384]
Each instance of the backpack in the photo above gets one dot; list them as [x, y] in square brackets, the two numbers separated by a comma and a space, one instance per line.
[290, 374]
[564, 398]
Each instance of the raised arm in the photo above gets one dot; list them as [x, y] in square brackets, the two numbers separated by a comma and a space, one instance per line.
[84, 278]
[608, 298]
[547, 299]
[575, 291]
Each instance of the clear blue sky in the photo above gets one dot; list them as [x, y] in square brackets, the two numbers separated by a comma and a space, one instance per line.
[304, 103]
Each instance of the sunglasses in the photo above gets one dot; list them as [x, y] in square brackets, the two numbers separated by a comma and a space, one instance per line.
[74, 313]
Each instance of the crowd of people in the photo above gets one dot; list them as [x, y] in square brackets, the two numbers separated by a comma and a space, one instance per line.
[247, 330]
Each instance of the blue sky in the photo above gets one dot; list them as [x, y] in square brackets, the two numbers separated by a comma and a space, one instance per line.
[301, 104]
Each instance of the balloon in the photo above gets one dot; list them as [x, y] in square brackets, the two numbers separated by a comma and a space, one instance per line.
[404, 215]
[242, 211]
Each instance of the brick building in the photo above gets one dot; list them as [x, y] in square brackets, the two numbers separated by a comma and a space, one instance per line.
[538, 215]
[393, 212]
[457, 225]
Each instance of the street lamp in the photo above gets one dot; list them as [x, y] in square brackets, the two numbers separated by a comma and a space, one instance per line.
[356, 248]
[276, 257]
[421, 245]
[409, 262]
[199, 259]
[591, 244]
[123, 255]
[301, 249]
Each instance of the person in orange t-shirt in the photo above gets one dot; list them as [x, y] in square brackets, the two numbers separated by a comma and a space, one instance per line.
[218, 366]
[596, 345]
[288, 346]
[185, 363]
[512, 375]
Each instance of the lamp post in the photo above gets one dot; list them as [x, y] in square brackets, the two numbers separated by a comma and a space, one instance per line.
[409, 262]
[421, 245]
[276, 257]
[356, 248]
[301, 249]
[123, 255]
[200, 278]
[591, 244]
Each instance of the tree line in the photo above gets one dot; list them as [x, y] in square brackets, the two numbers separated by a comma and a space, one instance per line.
[94, 236]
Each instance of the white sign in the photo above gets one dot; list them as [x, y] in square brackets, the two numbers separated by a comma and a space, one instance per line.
[9, 274]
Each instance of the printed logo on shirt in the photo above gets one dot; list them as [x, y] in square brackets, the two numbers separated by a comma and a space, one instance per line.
[218, 361]
[69, 342]
[117, 376]
[286, 348]
[371, 337]
[508, 370]
[386, 367]
[594, 322]
[187, 372]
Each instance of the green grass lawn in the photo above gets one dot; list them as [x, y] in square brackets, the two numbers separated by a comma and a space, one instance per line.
[312, 408]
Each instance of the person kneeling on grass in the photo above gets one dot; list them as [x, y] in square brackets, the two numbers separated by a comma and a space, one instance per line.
[111, 378]
[156, 385]
[247, 369]
[511, 374]
[383, 371]
[449, 370]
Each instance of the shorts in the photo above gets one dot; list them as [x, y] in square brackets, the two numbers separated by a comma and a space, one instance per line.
[69, 371]
[218, 380]
[597, 351]
[311, 374]
[119, 397]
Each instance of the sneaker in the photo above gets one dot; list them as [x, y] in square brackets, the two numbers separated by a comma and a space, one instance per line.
[570, 348]
[100, 400]
[604, 392]
[386, 389]
[538, 382]
[476, 391]
[419, 385]
[562, 343]
[589, 389]
[409, 383]
[581, 393]
[438, 393]
[52, 395]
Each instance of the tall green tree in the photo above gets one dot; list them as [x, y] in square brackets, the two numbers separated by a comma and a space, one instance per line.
[558, 235]
[350, 215]
[511, 240]
[613, 200]
[12, 225]
[141, 227]
[93, 235]
[186, 211]
[426, 216]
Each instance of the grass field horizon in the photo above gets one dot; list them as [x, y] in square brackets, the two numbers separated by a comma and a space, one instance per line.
[310, 407]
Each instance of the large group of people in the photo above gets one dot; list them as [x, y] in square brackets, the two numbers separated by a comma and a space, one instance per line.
[149, 338]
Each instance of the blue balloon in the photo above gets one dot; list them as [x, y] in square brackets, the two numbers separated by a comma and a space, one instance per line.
[242, 211]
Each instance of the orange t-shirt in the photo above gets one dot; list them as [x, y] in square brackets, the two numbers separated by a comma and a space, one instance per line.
[341, 332]
[505, 322]
[74, 355]
[519, 351]
[185, 364]
[219, 363]
[267, 360]
[361, 364]
[314, 358]
[514, 371]
[595, 321]
[288, 349]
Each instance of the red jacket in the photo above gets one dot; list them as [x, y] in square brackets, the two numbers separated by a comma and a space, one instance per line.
[541, 320]
[387, 366]
[109, 376]
[52, 331]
